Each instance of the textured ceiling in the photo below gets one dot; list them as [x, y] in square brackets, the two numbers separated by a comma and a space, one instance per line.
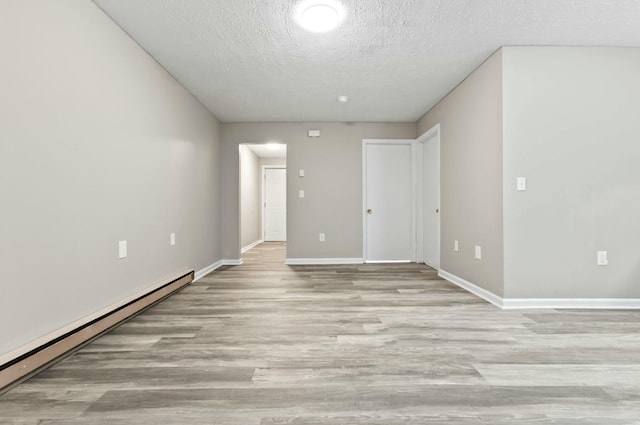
[247, 60]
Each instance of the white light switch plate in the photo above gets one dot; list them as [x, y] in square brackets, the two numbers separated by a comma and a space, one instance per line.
[321, 237]
[602, 258]
[456, 246]
[301, 193]
[521, 183]
[172, 239]
[300, 173]
[478, 252]
[122, 249]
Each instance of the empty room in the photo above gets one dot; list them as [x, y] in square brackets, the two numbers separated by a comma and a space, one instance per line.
[262, 212]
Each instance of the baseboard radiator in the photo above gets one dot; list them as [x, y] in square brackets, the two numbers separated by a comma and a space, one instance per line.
[43, 356]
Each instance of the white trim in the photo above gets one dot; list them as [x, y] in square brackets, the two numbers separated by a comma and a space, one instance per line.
[388, 262]
[473, 288]
[432, 133]
[263, 192]
[325, 261]
[543, 303]
[205, 271]
[365, 142]
[562, 303]
[81, 322]
[251, 245]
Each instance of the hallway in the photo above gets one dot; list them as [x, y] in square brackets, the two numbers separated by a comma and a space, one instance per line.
[265, 344]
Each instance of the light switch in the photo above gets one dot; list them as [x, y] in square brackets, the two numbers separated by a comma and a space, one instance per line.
[456, 246]
[478, 252]
[300, 173]
[122, 249]
[602, 258]
[321, 237]
[301, 193]
[521, 184]
[172, 239]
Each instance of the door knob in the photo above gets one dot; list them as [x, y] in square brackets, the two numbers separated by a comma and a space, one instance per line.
[369, 211]
[437, 210]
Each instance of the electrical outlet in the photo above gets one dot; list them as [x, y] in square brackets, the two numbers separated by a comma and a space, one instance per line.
[456, 246]
[321, 237]
[122, 249]
[172, 239]
[478, 252]
[602, 258]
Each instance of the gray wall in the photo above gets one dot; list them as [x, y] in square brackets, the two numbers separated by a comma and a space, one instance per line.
[572, 128]
[333, 183]
[97, 144]
[250, 195]
[470, 119]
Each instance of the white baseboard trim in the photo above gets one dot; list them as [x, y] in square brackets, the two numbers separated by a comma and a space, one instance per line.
[565, 303]
[251, 245]
[543, 303]
[322, 261]
[205, 271]
[473, 288]
[388, 261]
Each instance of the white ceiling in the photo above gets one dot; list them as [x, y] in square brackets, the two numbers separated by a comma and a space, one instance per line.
[247, 60]
[269, 150]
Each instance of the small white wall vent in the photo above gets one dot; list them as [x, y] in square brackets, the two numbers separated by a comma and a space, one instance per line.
[314, 133]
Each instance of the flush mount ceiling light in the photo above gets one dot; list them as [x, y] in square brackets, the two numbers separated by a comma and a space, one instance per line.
[273, 146]
[319, 15]
[343, 99]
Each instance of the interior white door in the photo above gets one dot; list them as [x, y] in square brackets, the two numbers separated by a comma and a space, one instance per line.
[431, 202]
[275, 204]
[388, 202]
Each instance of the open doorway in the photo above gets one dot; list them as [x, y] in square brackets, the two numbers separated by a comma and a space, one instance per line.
[263, 194]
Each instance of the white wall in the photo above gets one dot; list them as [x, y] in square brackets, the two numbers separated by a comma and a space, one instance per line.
[572, 128]
[98, 144]
[470, 119]
[332, 183]
[250, 195]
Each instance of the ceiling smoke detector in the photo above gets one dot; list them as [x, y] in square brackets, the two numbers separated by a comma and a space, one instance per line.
[319, 15]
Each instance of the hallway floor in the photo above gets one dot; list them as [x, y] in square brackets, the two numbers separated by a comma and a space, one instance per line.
[266, 344]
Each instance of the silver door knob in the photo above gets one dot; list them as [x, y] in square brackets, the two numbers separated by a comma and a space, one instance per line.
[369, 211]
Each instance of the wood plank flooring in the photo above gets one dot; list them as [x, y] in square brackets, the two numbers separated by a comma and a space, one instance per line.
[268, 344]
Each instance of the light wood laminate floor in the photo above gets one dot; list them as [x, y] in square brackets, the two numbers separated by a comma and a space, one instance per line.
[268, 344]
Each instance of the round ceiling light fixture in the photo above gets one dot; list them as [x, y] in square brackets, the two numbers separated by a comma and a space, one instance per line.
[319, 15]
[343, 99]
[273, 146]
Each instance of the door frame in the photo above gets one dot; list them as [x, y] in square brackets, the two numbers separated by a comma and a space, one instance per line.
[433, 132]
[412, 144]
[264, 196]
